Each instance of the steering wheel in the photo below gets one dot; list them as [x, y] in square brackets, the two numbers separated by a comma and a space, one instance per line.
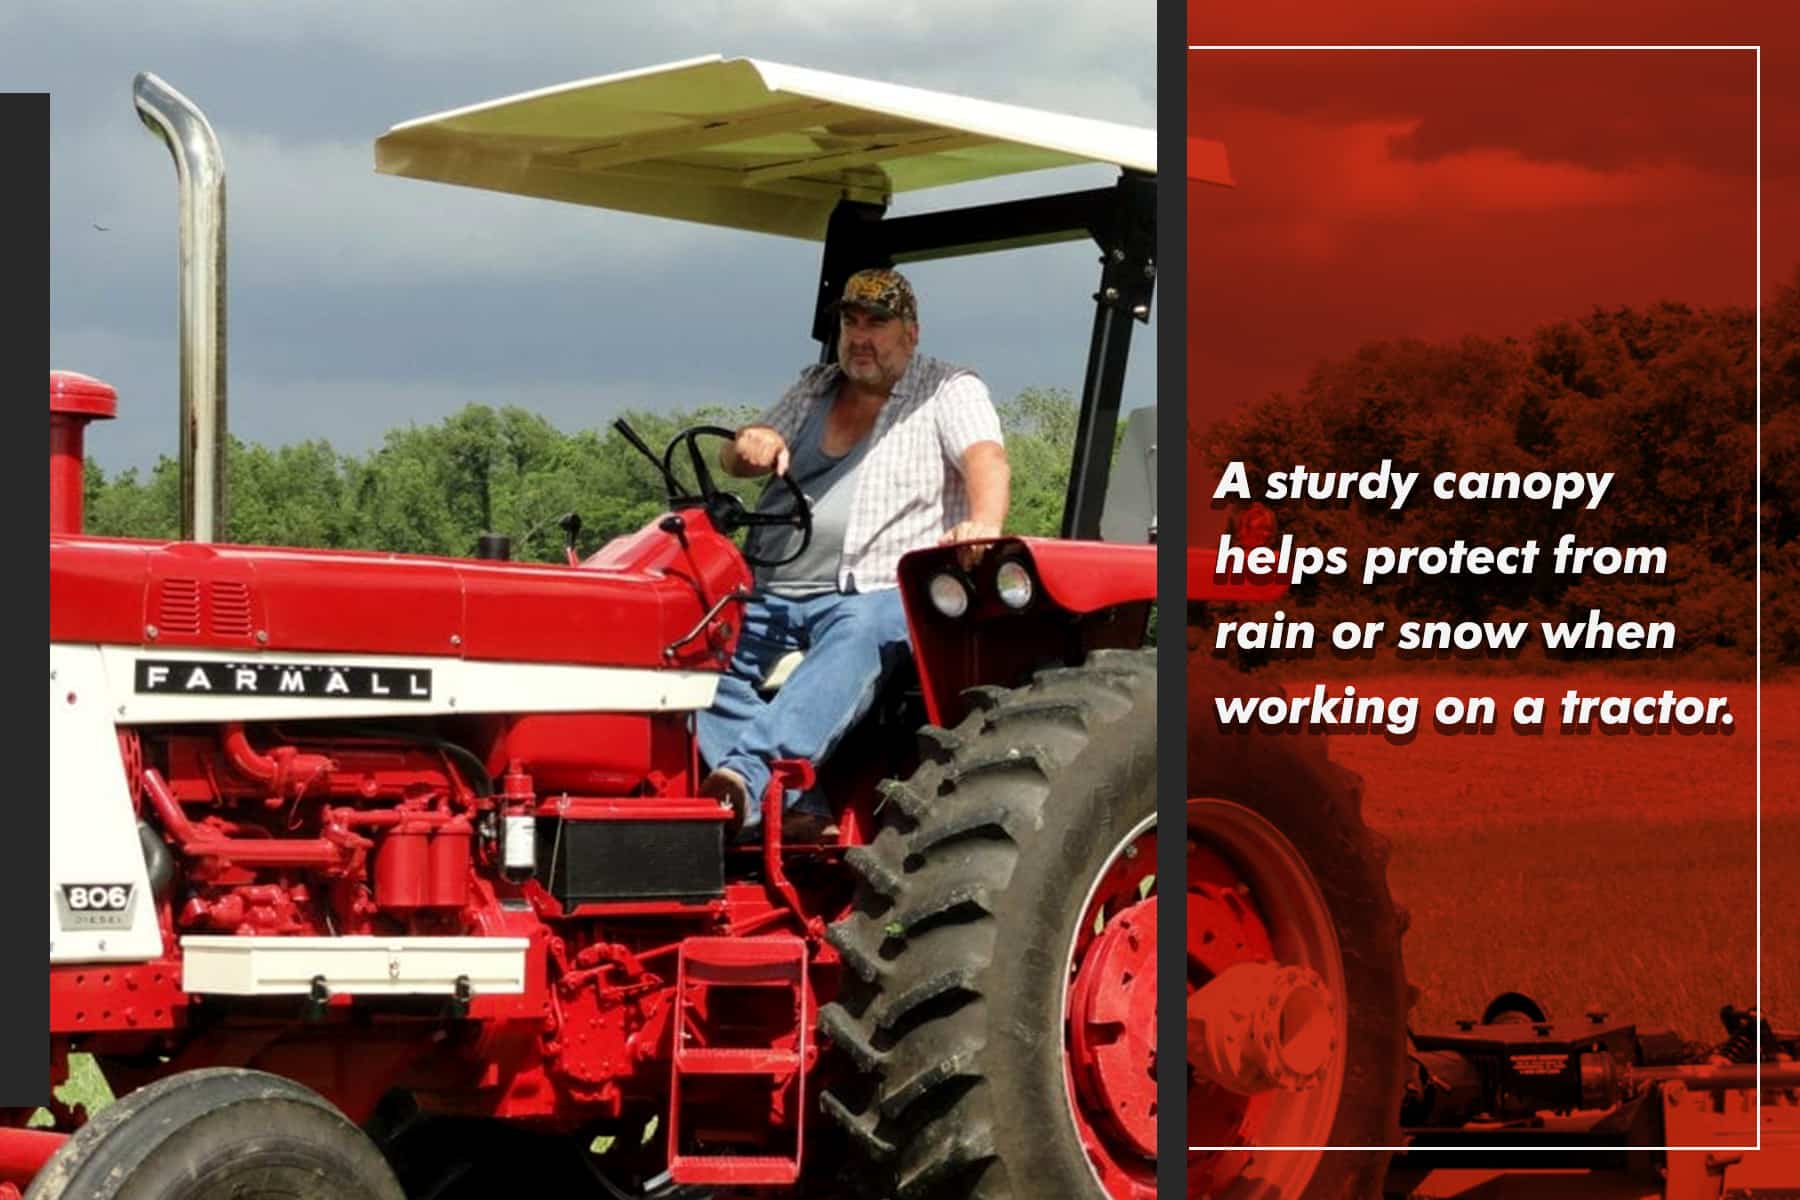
[728, 513]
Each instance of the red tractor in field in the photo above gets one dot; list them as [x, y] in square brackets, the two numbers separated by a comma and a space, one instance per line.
[380, 875]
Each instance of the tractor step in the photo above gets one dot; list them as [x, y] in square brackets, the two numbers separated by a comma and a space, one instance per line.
[739, 1062]
[727, 1169]
[742, 1012]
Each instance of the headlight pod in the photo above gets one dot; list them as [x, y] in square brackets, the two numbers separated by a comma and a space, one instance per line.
[949, 594]
[1013, 583]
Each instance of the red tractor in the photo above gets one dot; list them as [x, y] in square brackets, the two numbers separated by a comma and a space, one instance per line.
[381, 875]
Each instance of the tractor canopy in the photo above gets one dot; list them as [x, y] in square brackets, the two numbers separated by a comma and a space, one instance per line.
[744, 143]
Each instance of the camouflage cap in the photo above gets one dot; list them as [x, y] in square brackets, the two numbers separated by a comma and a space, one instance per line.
[881, 290]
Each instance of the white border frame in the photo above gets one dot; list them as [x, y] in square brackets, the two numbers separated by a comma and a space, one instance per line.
[1757, 49]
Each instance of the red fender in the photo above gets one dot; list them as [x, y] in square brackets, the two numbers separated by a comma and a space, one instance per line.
[1085, 577]
[1086, 596]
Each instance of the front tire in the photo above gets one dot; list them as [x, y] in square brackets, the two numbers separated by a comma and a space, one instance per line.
[1020, 849]
[218, 1134]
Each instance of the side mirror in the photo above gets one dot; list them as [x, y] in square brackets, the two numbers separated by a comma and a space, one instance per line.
[1129, 514]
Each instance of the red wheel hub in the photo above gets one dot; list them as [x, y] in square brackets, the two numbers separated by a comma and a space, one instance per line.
[1110, 1063]
[1266, 1024]
[1112, 1027]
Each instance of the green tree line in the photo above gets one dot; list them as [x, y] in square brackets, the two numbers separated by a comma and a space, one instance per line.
[434, 489]
[1664, 396]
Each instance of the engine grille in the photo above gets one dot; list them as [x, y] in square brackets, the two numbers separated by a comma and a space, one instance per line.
[223, 608]
[230, 608]
[179, 607]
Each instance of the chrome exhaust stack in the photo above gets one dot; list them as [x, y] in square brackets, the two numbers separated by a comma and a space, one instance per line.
[200, 175]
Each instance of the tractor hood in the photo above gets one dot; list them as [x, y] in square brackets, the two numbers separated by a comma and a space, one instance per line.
[744, 143]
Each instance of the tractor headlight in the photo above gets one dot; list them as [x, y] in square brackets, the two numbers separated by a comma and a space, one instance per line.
[949, 594]
[1013, 582]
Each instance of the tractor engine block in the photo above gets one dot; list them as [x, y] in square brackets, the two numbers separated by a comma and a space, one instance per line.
[362, 835]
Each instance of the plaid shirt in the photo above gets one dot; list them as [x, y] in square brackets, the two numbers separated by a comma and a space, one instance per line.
[909, 488]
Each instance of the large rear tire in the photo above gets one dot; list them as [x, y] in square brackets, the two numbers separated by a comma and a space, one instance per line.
[1019, 853]
[218, 1134]
[1282, 869]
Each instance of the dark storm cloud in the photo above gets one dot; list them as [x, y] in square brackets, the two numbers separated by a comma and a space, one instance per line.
[1439, 194]
[1677, 106]
[1539, 22]
[1618, 110]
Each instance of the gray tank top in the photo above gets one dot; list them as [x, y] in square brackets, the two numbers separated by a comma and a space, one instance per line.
[829, 484]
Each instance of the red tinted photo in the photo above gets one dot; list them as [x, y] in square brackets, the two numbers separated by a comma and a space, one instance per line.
[1475, 529]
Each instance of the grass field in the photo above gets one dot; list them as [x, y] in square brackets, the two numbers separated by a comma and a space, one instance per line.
[86, 1087]
[1611, 872]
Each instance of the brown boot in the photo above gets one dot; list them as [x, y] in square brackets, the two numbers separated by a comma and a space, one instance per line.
[728, 787]
[807, 828]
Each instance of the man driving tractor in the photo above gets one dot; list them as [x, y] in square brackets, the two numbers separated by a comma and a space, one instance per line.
[894, 451]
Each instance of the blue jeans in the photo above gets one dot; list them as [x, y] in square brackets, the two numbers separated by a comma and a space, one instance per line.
[851, 641]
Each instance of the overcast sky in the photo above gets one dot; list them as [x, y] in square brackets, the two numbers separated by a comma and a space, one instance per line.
[1385, 195]
[1434, 194]
[359, 302]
